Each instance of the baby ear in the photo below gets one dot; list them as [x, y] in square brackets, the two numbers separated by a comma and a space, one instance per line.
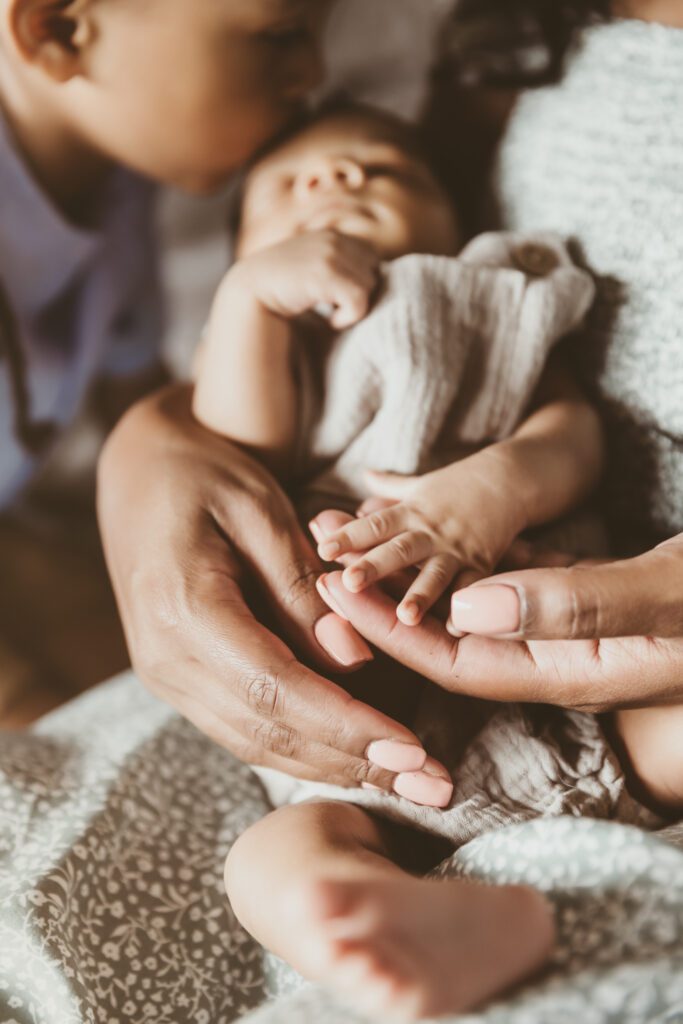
[51, 34]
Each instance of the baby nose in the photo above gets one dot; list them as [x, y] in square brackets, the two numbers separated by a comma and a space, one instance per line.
[328, 175]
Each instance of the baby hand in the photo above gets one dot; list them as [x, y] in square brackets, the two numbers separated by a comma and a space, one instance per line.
[458, 520]
[318, 268]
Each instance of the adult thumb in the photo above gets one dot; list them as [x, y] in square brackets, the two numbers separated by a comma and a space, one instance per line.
[642, 596]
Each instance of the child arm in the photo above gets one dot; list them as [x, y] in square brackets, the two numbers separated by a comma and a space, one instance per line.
[245, 384]
[556, 455]
[245, 387]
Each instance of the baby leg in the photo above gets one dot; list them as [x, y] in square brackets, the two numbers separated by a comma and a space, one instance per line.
[315, 884]
[649, 740]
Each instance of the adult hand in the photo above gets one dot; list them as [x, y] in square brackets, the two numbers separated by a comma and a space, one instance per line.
[587, 637]
[188, 520]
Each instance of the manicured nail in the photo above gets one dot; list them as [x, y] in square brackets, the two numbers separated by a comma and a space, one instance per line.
[396, 756]
[494, 609]
[323, 590]
[340, 640]
[369, 786]
[328, 550]
[423, 788]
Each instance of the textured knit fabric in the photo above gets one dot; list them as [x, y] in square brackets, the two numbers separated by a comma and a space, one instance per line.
[599, 157]
[446, 362]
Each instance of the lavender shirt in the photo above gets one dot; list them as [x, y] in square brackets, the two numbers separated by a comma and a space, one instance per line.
[87, 303]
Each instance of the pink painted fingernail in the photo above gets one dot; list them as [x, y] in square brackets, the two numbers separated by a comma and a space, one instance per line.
[494, 609]
[423, 788]
[396, 756]
[324, 591]
[339, 639]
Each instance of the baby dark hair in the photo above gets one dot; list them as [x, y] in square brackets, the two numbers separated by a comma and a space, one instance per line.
[519, 42]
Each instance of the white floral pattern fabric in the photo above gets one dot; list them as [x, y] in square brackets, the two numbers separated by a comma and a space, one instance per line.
[618, 894]
[116, 817]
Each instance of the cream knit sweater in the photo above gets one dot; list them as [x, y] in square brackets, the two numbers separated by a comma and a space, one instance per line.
[599, 157]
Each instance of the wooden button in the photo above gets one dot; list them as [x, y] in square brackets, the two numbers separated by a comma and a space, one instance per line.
[535, 259]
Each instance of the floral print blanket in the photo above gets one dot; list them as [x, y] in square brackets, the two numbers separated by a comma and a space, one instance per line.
[115, 819]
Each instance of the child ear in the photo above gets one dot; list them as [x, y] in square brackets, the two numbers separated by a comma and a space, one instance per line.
[51, 34]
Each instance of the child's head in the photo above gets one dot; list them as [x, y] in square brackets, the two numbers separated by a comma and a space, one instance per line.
[354, 170]
[182, 90]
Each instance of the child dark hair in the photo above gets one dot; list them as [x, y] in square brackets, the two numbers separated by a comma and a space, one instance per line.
[518, 42]
[33, 436]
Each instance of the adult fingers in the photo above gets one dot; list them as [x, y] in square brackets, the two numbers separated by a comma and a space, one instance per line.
[286, 709]
[268, 536]
[586, 675]
[637, 597]
[499, 671]
[243, 738]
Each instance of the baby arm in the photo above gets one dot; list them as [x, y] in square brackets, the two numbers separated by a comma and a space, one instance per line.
[463, 518]
[245, 386]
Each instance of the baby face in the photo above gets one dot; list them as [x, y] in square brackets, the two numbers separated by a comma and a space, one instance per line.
[350, 173]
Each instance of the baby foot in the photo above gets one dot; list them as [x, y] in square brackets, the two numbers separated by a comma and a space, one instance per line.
[408, 948]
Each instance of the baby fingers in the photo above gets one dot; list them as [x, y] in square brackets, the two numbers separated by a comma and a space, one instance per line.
[432, 581]
[364, 534]
[402, 551]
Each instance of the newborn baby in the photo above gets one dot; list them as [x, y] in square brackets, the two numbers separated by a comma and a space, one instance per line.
[349, 336]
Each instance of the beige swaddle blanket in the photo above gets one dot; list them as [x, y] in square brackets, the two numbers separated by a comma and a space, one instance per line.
[448, 361]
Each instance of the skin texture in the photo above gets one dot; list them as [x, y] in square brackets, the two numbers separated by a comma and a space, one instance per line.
[667, 12]
[347, 172]
[182, 92]
[315, 883]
